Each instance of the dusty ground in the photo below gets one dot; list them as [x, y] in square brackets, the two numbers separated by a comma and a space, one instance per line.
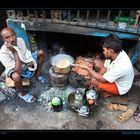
[21, 115]
[17, 114]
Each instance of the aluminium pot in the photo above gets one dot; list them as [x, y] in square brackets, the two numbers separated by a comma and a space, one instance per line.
[60, 57]
[62, 66]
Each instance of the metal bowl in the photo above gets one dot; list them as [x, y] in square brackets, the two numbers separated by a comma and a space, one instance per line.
[74, 104]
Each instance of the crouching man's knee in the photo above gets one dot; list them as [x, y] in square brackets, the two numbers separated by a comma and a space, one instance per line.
[15, 76]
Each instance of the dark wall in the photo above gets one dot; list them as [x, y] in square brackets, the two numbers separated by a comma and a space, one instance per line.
[3, 24]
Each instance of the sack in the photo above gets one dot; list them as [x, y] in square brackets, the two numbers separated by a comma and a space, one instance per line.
[83, 61]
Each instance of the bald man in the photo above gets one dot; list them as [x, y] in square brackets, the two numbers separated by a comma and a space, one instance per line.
[18, 61]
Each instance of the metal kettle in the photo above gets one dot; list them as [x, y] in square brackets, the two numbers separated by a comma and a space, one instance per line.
[91, 94]
[79, 94]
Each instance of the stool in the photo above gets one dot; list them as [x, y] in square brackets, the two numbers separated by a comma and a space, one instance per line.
[10, 82]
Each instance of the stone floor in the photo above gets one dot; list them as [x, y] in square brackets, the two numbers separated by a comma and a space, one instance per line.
[16, 114]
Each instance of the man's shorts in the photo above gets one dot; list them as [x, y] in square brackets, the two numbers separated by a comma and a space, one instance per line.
[26, 74]
[109, 87]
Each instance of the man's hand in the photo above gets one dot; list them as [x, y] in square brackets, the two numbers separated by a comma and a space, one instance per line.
[93, 83]
[10, 47]
[80, 66]
[30, 64]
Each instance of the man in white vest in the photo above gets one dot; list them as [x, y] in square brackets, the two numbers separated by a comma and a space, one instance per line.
[118, 74]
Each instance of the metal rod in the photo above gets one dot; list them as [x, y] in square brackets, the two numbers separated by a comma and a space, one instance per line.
[129, 19]
[69, 14]
[78, 15]
[117, 25]
[87, 17]
[108, 17]
[97, 18]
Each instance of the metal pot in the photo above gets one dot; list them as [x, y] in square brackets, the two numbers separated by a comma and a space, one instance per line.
[63, 69]
[61, 57]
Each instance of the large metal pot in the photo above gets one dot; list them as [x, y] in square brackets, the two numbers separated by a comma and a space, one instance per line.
[62, 68]
[57, 57]
[61, 57]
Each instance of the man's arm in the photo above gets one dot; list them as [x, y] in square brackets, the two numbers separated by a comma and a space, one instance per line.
[94, 74]
[18, 64]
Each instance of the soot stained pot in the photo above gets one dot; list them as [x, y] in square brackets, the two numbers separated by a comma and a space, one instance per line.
[58, 80]
[62, 66]
[57, 61]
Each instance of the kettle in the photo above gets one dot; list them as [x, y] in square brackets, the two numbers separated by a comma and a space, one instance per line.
[83, 111]
[79, 94]
[91, 96]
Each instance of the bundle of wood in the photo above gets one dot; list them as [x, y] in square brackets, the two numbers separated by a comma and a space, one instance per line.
[83, 61]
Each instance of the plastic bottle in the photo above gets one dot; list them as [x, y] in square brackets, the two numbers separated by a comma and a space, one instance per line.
[57, 104]
[124, 19]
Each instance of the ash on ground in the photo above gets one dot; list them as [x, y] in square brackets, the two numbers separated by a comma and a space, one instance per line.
[46, 96]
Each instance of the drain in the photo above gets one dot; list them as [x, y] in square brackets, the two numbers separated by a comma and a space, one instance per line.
[99, 125]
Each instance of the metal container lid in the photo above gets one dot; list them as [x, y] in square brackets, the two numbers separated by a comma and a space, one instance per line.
[91, 94]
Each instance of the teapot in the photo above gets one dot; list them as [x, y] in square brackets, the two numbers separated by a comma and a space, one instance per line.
[83, 111]
[79, 93]
[91, 96]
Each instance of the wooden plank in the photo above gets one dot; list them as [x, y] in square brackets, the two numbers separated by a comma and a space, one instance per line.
[123, 99]
[10, 82]
[134, 94]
